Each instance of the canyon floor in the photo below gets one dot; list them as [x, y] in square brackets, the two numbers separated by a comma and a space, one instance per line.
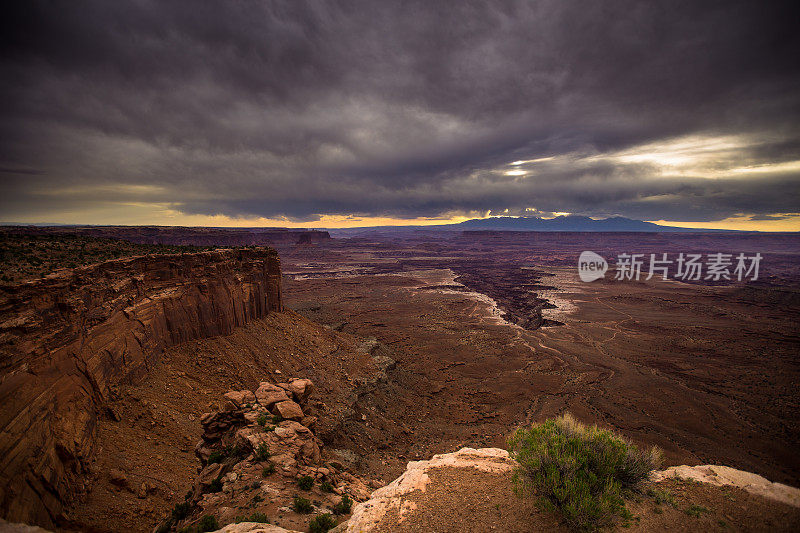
[707, 372]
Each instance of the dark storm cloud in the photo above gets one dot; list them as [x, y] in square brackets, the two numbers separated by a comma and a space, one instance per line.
[405, 109]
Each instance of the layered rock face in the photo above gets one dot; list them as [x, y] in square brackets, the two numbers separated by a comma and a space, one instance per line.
[66, 340]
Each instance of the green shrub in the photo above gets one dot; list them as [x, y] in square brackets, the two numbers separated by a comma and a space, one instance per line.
[344, 506]
[277, 419]
[322, 523]
[302, 505]
[217, 456]
[661, 496]
[578, 470]
[216, 485]
[696, 510]
[207, 523]
[262, 453]
[262, 419]
[326, 486]
[305, 482]
[165, 526]
[269, 469]
[181, 510]
[260, 518]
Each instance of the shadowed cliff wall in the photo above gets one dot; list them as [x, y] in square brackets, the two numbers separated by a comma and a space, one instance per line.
[66, 338]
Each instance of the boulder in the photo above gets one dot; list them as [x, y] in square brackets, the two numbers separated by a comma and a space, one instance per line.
[240, 398]
[269, 394]
[301, 389]
[288, 410]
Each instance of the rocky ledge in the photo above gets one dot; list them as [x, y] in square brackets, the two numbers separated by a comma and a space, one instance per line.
[260, 460]
[731, 477]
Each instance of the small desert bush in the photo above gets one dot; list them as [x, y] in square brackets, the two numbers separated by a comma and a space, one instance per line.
[322, 523]
[326, 486]
[662, 496]
[580, 471]
[696, 510]
[215, 485]
[207, 523]
[263, 418]
[262, 453]
[302, 505]
[217, 456]
[344, 506]
[181, 511]
[305, 482]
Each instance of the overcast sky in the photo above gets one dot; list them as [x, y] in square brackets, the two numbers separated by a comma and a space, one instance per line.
[332, 112]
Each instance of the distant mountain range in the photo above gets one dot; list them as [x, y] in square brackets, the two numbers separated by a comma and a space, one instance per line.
[566, 223]
[560, 223]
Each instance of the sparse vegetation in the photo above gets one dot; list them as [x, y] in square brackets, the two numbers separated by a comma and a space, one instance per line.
[181, 511]
[207, 523]
[662, 496]
[322, 523]
[216, 485]
[217, 456]
[277, 419]
[696, 510]
[262, 420]
[578, 470]
[305, 482]
[302, 505]
[344, 506]
[326, 486]
[25, 257]
[262, 452]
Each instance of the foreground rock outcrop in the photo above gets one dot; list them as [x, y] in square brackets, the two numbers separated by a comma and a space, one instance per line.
[731, 477]
[392, 498]
[255, 462]
[471, 490]
[66, 339]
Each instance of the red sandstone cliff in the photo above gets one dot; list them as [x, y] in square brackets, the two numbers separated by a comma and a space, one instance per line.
[65, 339]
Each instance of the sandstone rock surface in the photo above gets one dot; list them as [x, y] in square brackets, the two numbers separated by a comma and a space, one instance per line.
[725, 475]
[288, 410]
[254, 527]
[240, 398]
[367, 515]
[67, 339]
[268, 394]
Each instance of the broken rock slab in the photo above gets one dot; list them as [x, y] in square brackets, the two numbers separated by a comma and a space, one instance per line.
[269, 394]
[288, 410]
